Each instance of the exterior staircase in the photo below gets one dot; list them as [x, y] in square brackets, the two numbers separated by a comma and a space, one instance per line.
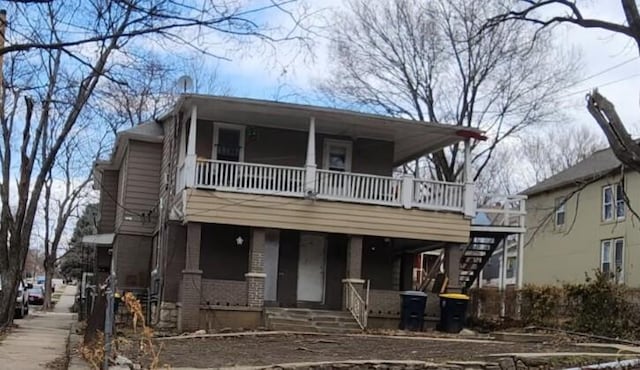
[477, 254]
[310, 320]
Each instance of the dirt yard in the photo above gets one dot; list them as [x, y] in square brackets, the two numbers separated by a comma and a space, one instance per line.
[287, 348]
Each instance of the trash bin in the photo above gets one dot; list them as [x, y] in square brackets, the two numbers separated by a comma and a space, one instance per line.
[453, 312]
[412, 312]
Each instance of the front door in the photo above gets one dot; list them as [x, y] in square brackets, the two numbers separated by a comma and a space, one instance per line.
[271, 253]
[311, 267]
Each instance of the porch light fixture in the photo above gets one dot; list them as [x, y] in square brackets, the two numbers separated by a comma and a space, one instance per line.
[239, 240]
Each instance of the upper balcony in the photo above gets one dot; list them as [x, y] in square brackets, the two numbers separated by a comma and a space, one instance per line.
[338, 164]
[253, 178]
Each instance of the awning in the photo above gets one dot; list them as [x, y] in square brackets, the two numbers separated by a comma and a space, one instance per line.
[99, 239]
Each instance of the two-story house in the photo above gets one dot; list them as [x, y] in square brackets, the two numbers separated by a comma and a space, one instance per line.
[578, 221]
[227, 209]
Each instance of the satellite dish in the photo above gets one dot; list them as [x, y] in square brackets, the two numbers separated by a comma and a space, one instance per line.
[185, 84]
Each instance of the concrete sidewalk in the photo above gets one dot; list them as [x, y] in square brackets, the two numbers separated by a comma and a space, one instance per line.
[40, 338]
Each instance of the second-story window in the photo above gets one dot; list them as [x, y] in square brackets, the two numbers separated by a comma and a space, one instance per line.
[229, 140]
[337, 155]
[613, 207]
[560, 211]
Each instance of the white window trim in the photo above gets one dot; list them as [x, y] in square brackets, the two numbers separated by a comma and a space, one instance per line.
[328, 143]
[231, 126]
[611, 258]
[613, 202]
[561, 208]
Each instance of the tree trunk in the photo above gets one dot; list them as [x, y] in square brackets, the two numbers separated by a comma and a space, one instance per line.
[49, 266]
[10, 278]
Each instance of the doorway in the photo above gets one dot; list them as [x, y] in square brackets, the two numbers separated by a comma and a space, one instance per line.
[271, 254]
[312, 267]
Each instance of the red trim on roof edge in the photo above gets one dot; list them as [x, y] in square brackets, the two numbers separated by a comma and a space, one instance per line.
[469, 134]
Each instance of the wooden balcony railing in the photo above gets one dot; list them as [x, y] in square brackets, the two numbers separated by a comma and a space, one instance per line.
[256, 178]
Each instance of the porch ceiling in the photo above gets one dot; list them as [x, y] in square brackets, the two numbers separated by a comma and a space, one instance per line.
[411, 138]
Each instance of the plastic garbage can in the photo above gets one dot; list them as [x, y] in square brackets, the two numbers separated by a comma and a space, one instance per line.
[453, 312]
[412, 312]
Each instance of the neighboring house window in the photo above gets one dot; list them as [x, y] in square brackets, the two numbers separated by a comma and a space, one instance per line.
[511, 267]
[619, 201]
[612, 258]
[560, 211]
[613, 207]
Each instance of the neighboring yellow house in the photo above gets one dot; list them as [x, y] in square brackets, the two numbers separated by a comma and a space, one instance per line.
[577, 221]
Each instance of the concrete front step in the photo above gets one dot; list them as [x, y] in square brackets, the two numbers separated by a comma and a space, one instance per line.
[298, 319]
[331, 324]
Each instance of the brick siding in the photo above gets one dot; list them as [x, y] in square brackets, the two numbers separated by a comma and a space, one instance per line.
[224, 292]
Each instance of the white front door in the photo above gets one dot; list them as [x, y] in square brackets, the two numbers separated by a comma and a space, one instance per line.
[271, 253]
[311, 267]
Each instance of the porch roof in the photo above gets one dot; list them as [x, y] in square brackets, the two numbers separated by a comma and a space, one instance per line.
[412, 139]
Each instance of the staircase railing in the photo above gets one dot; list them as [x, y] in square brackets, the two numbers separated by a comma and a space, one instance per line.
[358, 306]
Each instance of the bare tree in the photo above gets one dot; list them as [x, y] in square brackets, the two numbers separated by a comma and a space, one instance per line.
[57, 54]
[65, 191]
[428, 61]
[545, 13]
[535, 155]
[555, 149]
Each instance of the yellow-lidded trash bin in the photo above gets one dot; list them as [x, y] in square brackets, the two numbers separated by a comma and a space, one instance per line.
[453, 312]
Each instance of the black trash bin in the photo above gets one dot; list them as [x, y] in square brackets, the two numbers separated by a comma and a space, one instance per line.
[412, 313]
[453, 312]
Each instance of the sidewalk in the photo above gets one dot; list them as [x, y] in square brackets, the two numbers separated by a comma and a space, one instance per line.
[40, 338]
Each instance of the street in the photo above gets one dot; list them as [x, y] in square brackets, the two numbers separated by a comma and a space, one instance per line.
[39, 338]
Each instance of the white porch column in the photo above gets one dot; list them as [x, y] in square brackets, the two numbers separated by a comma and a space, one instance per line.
[406, 196]
[520, 259]
[503, 278]
[190, 159]
[469, 203]
[310, 164]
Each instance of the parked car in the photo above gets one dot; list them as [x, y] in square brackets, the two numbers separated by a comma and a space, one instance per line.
[36, 295]
[22, 300]
[40, 281]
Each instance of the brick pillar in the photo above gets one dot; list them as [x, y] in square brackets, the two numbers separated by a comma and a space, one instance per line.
[452, 255]
[354, 268]
[255, 277]
[189, 311]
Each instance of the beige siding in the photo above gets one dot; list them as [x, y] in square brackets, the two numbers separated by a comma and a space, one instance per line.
[108, 196]
[324, 216]
[564, 254]
[140, 195]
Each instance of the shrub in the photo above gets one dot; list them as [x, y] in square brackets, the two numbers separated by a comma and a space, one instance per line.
[541, 305]
[600, 306]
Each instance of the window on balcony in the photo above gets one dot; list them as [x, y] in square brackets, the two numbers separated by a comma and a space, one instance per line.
[228, 142]
[337, 155]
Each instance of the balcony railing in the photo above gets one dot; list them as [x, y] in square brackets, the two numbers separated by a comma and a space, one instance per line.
[250, 177]
[334, 185]
[330, 185]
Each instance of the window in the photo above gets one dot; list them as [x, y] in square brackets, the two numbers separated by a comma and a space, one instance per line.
[511, 267]
[613, 207]
[619, 201]
[337, 155]
[560, 211]
[612, 258]
[228, 142]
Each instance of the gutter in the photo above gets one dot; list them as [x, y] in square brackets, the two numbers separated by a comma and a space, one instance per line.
[610, 365]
